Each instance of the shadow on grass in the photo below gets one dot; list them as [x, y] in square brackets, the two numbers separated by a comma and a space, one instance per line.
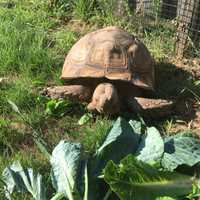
[172, 81]
[177, 84]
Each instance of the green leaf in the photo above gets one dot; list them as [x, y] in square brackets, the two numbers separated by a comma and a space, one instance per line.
[42, 148]
[58, 196]
[195, 192]
[151, 147]
[58, 108]
[65, 161]
[23, 180]
[181, 149]
[120, 142]
[165, 198]
[50, 107]
[137, 126]
[3, 123]
[133, 179]
[14, 106]
[37, 83]
[123, 133]
[86, 182]
[85, 119]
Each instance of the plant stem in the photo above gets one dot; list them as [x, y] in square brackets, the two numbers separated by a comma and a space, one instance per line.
[107, 194]
[86, 182]
[58, 196]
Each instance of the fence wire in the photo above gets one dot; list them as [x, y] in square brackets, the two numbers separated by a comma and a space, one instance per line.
[184, 14]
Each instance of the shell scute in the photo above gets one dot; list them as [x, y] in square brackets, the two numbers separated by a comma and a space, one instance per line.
[110, 53]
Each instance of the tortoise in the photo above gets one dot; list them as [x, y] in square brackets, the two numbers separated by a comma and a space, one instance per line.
[110, 69]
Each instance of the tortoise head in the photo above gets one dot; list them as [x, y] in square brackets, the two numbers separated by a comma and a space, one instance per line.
[105, 99]
[142, 66]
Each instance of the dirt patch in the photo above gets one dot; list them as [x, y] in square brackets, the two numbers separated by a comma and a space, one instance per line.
[191, 65]
[178, 80]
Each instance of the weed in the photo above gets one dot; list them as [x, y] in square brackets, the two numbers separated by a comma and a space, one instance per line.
[168, 125]
[62, 9]
[105, 13]
[22, 94]
[95, 134]
[84, 9]
[64, 40]
[159, 40]
[192, 89]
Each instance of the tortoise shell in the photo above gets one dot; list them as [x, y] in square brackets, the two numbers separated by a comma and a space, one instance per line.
[110, 53]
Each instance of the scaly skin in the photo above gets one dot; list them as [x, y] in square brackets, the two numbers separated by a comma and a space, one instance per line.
[78, 93]
[154, 108]
[106, 99]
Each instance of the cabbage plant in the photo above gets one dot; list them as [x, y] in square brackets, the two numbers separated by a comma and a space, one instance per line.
[134, 162]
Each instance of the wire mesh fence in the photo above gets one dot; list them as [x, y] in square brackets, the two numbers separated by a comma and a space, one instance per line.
[183, 14]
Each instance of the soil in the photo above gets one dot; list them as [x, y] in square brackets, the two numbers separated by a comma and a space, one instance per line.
[188, 107]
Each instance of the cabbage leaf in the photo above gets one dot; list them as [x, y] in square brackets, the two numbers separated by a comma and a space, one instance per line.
[133, 179]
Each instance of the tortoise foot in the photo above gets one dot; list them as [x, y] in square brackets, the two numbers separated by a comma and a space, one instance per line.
[105, 99]
[72, 92]
[154, 108]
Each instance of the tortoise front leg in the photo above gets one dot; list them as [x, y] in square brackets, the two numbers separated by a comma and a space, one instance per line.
[72, 92]
[154, 108]
[105, 99]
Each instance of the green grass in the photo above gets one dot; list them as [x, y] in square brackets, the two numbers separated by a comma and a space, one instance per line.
[34, 40]
[23, 40]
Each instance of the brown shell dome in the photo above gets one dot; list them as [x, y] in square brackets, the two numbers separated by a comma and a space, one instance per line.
[110, 53]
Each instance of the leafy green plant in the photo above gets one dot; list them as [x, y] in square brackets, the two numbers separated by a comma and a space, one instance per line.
[23, 180]
[138, 154]
[66, 160]
[85, 119]
[58, 108]
[120, 141]
[133, 179]
[35, 134]
[181, 149]
[151, 147]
